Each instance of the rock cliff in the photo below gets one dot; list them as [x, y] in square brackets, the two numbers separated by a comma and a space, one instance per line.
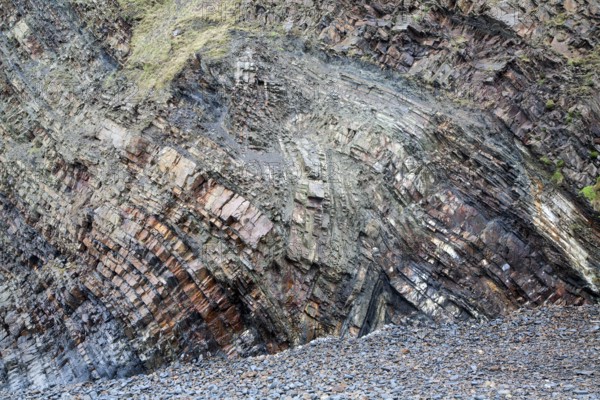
[181, 177]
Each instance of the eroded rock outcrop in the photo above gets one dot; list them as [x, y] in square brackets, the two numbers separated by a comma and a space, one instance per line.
[282, 186]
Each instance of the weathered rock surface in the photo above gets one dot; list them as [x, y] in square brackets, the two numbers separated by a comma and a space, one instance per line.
[284, 187]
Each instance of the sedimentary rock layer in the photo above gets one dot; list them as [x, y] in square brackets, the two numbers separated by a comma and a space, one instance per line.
[307, 170]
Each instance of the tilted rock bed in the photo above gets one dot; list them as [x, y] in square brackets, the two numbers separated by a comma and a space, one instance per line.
[535, 354]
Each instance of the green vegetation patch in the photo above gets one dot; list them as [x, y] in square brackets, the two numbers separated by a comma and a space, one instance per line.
[569, 118]
[558, 177]
[592, 194]
[589, 192]
[168, 32]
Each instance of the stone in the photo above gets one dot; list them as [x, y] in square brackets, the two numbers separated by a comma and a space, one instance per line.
[316, 190]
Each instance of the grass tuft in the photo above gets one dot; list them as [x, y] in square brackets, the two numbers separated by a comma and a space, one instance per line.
[168, 32]
[589, 192]
[592, 194]
[558, 178]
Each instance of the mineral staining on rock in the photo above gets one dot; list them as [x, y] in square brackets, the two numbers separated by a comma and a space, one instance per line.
[178, 183]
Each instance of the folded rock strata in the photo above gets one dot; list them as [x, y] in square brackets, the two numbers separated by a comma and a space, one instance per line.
[363, 164]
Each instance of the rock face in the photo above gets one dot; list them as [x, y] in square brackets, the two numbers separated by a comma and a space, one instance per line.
[236, 178]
